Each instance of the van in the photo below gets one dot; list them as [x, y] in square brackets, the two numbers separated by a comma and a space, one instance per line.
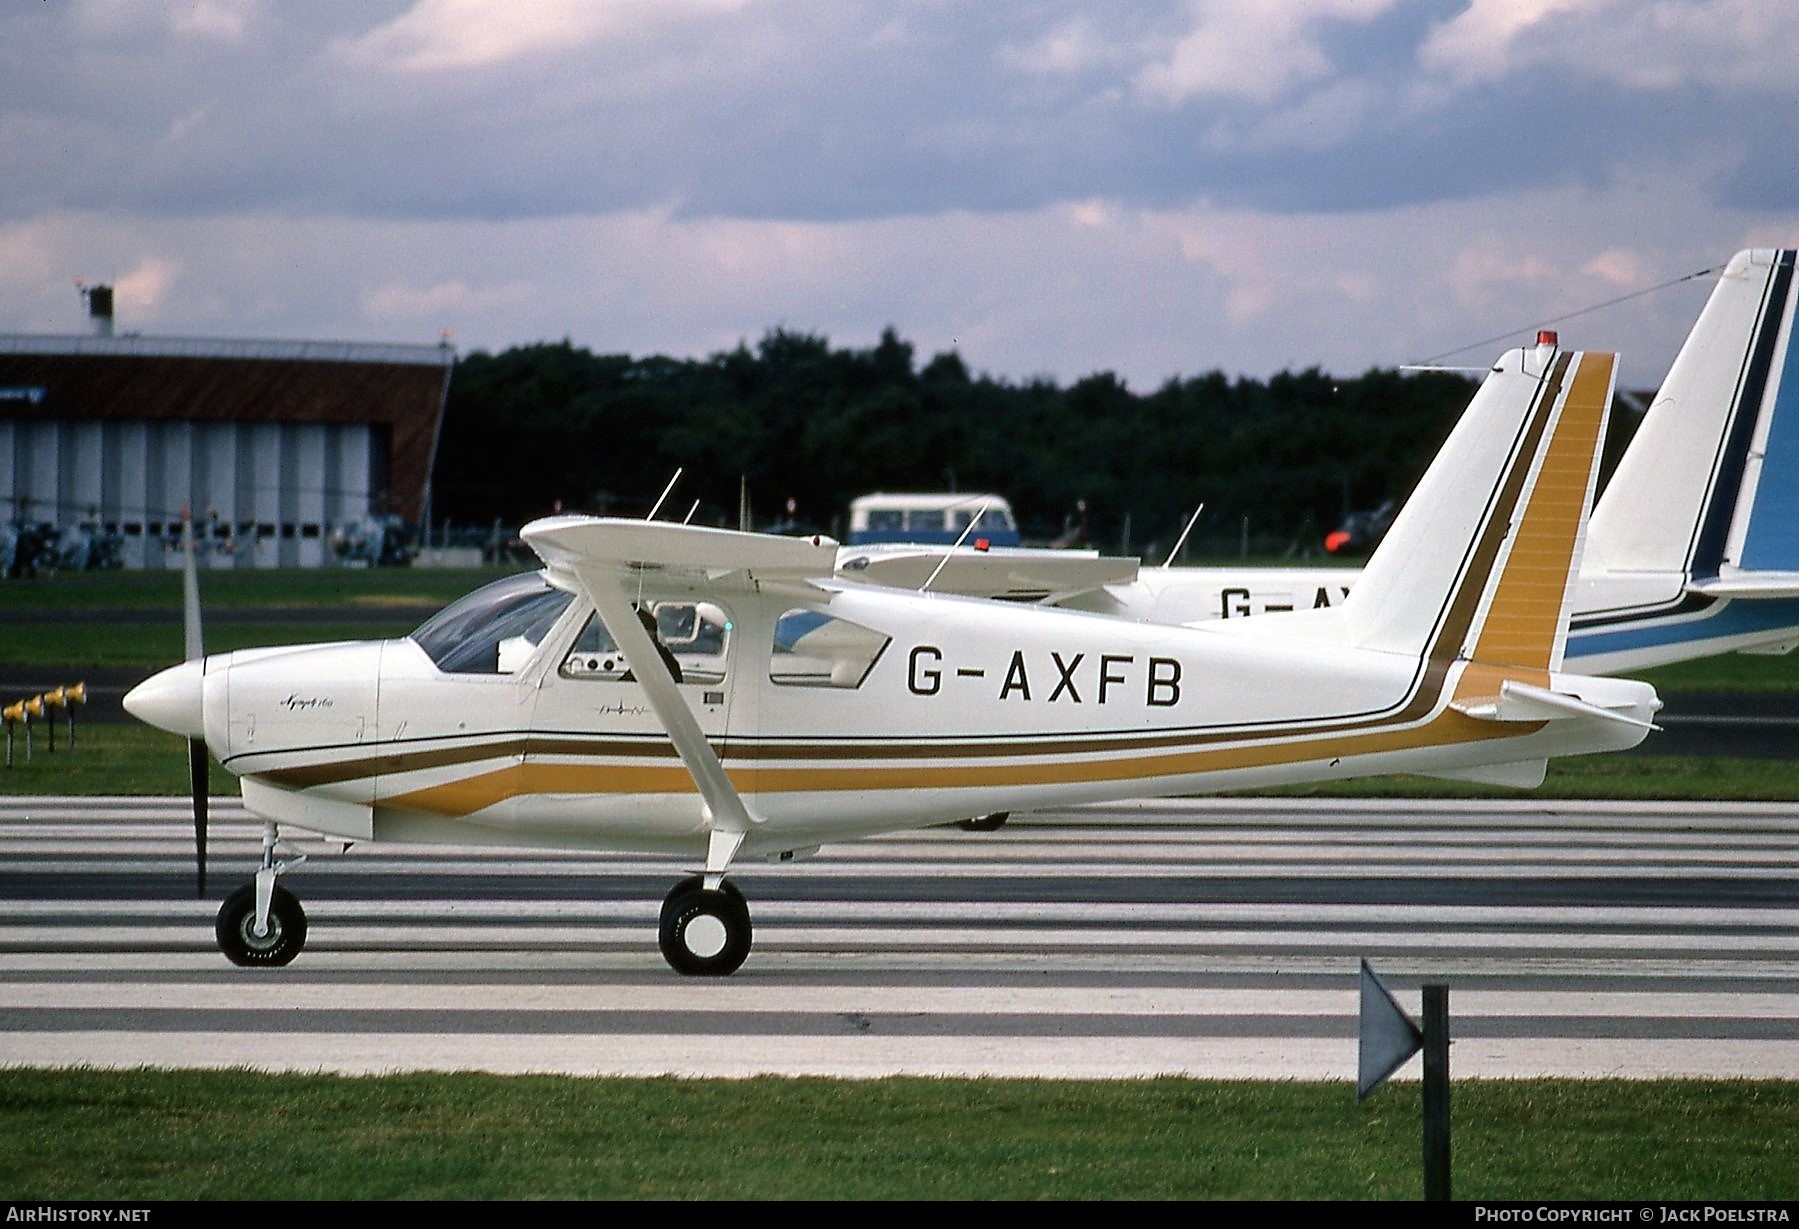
[939, 518]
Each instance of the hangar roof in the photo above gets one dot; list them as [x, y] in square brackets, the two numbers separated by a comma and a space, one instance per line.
[136, 345]
[224, 380]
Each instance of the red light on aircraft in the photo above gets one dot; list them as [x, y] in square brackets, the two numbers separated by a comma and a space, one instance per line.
[982, 544]
[1336, 540]
[1546, 337]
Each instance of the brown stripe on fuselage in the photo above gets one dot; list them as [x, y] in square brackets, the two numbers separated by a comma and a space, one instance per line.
[486, 789]
[398, 761]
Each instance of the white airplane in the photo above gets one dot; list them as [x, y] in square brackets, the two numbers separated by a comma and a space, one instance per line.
[790, 707]
[1693, 549]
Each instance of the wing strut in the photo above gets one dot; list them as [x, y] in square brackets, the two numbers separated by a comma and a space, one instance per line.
[731, 819]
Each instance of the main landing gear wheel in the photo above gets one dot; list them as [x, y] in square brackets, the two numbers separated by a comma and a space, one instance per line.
[693, 883]
[705, 934]
[237, 928]
[984, 823]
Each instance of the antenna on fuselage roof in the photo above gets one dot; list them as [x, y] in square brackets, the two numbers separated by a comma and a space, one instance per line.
[688, 519]
[1182, 540]
[944, 562]
[664, 495]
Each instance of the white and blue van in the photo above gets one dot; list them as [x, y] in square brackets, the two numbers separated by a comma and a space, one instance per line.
[939, 518]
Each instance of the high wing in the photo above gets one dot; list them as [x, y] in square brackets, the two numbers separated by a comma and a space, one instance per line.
[1012, 574]
[723, 557]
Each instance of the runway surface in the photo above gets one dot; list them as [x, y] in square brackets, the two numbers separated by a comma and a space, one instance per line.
[1214, 939]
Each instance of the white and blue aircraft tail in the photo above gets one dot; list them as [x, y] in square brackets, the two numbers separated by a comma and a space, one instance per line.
[1693, 548]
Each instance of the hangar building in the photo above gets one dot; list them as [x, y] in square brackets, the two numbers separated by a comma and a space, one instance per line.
[273, 444]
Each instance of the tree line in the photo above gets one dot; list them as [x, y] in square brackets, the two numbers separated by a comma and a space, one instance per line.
[549, 425]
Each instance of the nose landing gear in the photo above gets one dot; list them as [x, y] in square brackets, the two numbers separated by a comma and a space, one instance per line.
[278, 940]
[261, 925]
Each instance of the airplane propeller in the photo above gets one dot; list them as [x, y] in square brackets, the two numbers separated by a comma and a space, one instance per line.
[196, 747]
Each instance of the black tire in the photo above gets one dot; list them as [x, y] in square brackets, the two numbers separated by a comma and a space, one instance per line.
[287, 929]
[694, 883]
[984, 823]
[704, 934]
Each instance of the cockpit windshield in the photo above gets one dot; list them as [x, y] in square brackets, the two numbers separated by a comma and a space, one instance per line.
[493, 629]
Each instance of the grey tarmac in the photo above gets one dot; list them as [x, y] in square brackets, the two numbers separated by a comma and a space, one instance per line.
[1209, 938]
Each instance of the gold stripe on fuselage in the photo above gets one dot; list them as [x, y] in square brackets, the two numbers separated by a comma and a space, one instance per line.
[487, 789]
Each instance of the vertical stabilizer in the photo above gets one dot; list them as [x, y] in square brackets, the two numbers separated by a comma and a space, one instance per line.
[1480, 564]
[1710, 484]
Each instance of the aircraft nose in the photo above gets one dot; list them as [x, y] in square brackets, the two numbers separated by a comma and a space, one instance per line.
[172, 699]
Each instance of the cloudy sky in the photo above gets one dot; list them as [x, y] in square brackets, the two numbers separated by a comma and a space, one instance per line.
[1150, 187]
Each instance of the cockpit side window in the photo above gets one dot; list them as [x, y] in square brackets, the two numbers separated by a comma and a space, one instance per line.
[815, 650]
[494, 629]
[694, 635]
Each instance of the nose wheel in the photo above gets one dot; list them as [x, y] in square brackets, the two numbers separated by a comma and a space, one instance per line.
[705, 933]
[261, 925]
[275, 943]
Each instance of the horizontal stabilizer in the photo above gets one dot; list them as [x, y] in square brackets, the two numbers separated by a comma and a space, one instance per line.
[1013, 573]
[1525, 774]
[1522, 702]
[1749, 585]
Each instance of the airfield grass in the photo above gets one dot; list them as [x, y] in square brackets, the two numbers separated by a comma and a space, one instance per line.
[228, 588]
[76, 1135]
[134, 618]
[108, 758]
